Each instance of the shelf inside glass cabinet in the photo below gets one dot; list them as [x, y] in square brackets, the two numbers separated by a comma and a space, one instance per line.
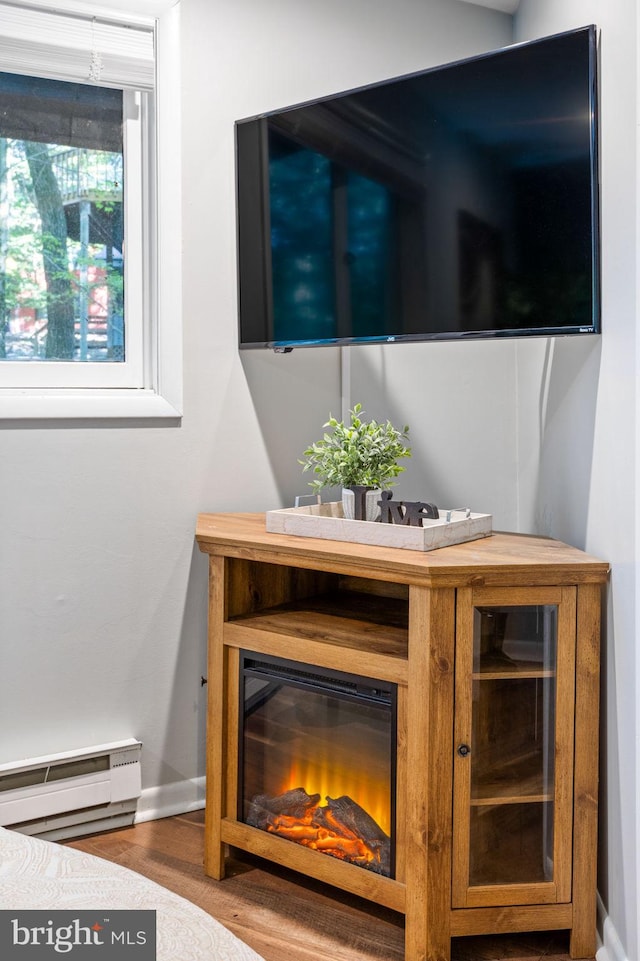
[514, 781]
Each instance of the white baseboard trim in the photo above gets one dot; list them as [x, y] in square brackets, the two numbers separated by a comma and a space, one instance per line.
[170, 799]
[611, 947]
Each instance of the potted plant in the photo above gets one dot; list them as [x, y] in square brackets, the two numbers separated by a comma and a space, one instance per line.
[359, 455]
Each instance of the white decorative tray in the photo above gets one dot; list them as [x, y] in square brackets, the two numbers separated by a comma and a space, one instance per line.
[327, 521]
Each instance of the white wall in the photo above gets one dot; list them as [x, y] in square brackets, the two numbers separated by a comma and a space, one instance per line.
[459, 402]
[102, 592]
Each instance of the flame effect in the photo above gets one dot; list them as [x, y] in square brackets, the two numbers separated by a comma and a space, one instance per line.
[321, 776]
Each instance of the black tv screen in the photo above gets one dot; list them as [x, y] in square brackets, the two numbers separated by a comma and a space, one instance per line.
[457, 202]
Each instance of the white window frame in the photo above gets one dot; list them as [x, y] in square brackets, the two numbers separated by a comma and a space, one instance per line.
[149, 383]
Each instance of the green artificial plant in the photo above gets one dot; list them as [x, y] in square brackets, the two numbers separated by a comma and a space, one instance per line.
[358, 453]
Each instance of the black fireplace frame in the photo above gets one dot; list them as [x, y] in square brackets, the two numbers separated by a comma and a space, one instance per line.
[340, 684]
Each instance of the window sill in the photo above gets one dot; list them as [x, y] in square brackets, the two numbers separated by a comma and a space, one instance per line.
[86, 405]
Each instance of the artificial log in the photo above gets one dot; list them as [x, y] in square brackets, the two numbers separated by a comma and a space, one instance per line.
[347, 818]
[341, 828]
[294, 804]
[346, 812]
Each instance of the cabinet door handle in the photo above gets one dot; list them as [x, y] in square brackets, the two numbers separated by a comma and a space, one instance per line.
[464, 750]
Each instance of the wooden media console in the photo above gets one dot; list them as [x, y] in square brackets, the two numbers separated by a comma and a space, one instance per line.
[492, 650]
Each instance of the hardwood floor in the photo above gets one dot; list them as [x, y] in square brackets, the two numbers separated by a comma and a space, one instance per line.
[280, 915]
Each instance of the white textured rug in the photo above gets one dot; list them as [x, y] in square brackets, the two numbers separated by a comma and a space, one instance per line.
[42, 875]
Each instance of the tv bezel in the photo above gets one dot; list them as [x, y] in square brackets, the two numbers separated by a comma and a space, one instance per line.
[262, 248]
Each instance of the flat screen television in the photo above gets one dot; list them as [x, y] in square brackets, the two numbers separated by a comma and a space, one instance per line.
[457, 202]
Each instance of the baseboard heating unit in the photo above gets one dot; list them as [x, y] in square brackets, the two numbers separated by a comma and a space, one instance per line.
[73, 793]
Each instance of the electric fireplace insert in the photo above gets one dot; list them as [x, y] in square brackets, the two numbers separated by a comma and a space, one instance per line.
[317, 759]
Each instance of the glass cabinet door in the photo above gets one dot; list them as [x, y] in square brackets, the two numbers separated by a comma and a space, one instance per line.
[515, 652]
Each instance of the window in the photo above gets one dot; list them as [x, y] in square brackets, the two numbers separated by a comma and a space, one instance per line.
[88, 327]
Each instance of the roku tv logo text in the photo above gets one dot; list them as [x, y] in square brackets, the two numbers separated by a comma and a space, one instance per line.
[82, 935]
